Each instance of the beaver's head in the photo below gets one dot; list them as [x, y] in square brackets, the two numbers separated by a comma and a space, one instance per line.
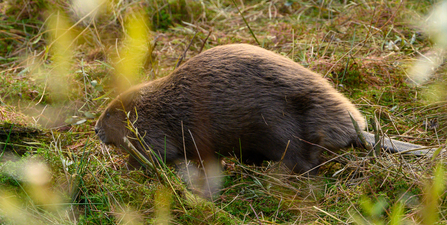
[111, 126]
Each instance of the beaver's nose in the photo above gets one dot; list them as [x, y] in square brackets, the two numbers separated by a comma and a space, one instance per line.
[96, 130]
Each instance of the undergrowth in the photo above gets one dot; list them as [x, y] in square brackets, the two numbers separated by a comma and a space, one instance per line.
[364, 48]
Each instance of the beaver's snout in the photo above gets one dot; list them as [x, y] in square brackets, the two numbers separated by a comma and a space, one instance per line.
[101, 135]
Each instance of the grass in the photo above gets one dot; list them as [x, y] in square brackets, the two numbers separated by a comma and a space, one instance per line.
[365, 48]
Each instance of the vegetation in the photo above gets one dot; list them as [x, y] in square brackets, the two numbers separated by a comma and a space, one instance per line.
[62, 62]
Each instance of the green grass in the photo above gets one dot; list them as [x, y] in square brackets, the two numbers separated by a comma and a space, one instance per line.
[365, 48]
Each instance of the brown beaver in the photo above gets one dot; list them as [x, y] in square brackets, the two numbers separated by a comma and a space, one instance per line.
[235, 100]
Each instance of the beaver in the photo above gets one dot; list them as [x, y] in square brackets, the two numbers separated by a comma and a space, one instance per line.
[238, 100]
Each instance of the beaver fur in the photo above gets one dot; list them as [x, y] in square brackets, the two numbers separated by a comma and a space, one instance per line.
[237, 100]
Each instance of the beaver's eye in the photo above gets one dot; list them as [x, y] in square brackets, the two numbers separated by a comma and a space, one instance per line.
[107, 114]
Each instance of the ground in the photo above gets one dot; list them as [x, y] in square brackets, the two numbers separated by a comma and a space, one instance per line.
[59, 68]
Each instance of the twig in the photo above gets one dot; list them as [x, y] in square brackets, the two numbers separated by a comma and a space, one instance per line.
[184, 53]
[257, 217]
[204, 42]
